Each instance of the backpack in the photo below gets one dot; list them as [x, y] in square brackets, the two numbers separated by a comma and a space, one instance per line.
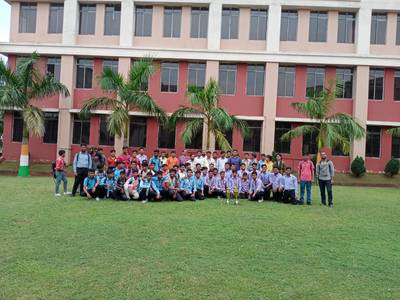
[53, 168]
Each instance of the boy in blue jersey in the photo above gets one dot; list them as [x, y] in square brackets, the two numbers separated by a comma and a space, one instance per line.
[198, 186]
[90, 185]
[147, 190]
[187, 186]
[158, 182]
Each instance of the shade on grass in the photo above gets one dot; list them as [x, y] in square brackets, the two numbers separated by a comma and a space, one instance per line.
[78, 249]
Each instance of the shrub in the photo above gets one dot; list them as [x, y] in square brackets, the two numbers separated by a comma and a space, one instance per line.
[358, 166]
[392, 167]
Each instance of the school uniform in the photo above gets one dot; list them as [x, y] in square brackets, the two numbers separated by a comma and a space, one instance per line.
[198, 188]
[256, 189]
[264, 177]
[244, 189]
[158, 183]
[221, 187]
[119, 192]
[171, 186]
[186, 189]
[234, 186]
[289, 185]
[274, 184]
[82, 163]
[131, 188]
[147, 190]
[89, 184]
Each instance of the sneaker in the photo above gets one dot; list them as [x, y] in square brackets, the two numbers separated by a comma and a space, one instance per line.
[237, 202]
[219, 197]
[58, 195]
[97, 199]
[330, 205]
[145, 201]
[227, 201]
[309, 203]
[67, 193]
[261, 200]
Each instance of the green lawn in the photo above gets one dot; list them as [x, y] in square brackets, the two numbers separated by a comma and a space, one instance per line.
[71, 248]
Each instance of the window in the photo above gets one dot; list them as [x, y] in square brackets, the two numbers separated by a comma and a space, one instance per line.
[228, 136]
[143, 20]
[255, 80]
[230, 23]
[112, 19]
[50, 128]
[87, 18]
[397, 86]
[197, 140]
[337, 151]
[280, 129]
[315, 81]
[166, 137]
[110, 64]
[199, 22]
[137, 132]
[286, 80]
[253, 141]
[373, 145]
[54, 67]
[172, 22]
[81, 130]
[105, 137]
[378, 29]
[27, 18]
[84, 73]
[346, 28]
[310, 143]
[258, 24]
[196, 75]
[398, 31]
[169, 77]
[344, 81]
[396, 147]
[289, 25]
[376, 84]
[18, 125]
[56, 17]
[227, 79]
[318, 27]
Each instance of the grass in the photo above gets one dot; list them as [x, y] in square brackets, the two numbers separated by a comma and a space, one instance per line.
[72, 248]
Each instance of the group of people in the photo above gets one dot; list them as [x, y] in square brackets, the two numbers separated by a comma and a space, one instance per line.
[206, 174]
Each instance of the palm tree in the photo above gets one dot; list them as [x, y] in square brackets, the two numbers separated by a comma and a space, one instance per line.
[332, 130]
[204, 103]
[394, 131]
[128, 94]
[17, 89]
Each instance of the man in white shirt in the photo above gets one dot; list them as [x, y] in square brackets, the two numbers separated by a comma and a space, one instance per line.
[209, 160]
[199, 159]
[221, 161]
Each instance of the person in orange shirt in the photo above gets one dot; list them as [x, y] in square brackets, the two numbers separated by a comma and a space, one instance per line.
[172, 160]
[112, 160]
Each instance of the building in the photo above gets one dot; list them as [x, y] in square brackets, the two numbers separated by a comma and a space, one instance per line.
[266, 55]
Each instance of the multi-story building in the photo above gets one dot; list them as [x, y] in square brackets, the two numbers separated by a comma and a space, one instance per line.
[266, 54]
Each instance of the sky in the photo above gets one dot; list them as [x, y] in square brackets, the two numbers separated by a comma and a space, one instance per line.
[5, 12]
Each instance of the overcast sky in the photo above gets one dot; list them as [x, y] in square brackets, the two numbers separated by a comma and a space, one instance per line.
[5, 13]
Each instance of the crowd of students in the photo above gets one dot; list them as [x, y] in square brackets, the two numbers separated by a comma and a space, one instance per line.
[206, 174]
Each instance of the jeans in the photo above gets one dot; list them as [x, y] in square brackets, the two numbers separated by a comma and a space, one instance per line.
[289, 196]
[60, 176]
[325, 184]
[305, 185]
[81, 174]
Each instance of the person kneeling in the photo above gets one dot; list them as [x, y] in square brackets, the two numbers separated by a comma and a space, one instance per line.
[256, 192]
[90, 185]
[147, 190]
[119, 192]
[244, 186]
[199, 186]
[187, 187]
[131, 186]
[289, 186]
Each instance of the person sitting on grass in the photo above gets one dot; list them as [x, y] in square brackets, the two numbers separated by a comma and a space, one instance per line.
[60, 174]
[147, 190]
[90, 185]
[256, 192]
[244, 186]
[289, 186]
[274, 184]
[264, 176]
[158, 182]
[112, 160]
[234, 186]
[208, 183]
[107, 185]
[221, 186]
[171, 186]
[241, 170]
[120, 186]
[198, 186]
[186, 187]
[120, 167]
[131, 186]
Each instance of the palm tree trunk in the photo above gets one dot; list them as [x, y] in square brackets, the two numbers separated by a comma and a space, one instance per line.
[208, 137]
[23, 169]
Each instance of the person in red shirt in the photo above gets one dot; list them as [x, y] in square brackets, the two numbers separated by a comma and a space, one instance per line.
[60, 173]
[172, 160]
[125, 157]
[112, 160]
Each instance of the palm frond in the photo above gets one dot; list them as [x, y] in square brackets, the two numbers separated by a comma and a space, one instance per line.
[298, 131]
[12, 97]
[348, 126]
[222, 141]
[33, 120]
[336, 138]
[26, 70]
[7, 76]
[118, 122]
[110, 81]
[220, 119]
[182, 113]
[146, 104]
[192, 127]
[140, 73]
[242, 125]
[95, 103]
[47, 87]
[394, 132]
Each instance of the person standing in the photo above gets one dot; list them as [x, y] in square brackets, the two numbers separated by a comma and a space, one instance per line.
[306, 177]
[81, 165]
[325, 173]
[235, 160]
[60, 173]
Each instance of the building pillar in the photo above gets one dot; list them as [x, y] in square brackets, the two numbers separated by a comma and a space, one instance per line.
[212, 72]
[269, 113]
[273, 28]
[71, 22]
[214, 25]
[65, 104]
[363, 30]
[360, 107]
[127, 23]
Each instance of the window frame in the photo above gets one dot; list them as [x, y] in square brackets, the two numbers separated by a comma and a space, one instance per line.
[294, 81]
[173, 10]
[202, 12]
[396, 86]
[320, 16]
[395, 143]
[263, 35]
[374, 79]
[57, 7]
[92, 29]
[398, 31]
[194, 66]
[374, 34]
[278, 140]
[227, 78]
[368, 136]
[230, 35]
[143, 10]
[30, 9]
[343, 94]
[135, 122]
[290, 16]
[50, 116]
[109, 30]
[109, 63]
[196, 141]
[346, 18]
[109, 140]
[253, 125]
[57, 67]
[84, 73]
[311, 143]
[84, 124]
[167, 133]
[255, 80]
[170, 69]
[315, 80]
[17, 116]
